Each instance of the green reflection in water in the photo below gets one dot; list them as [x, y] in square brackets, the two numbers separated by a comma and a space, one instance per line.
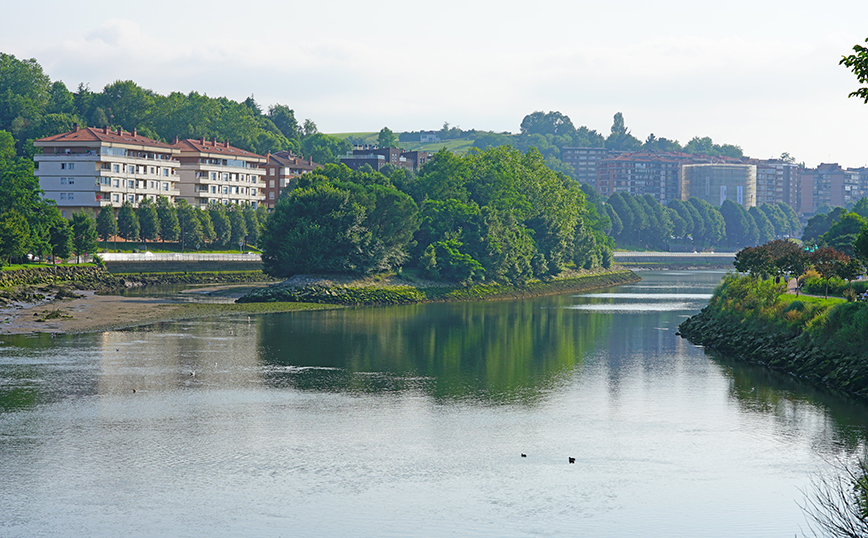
[759, 390]
[497, 351]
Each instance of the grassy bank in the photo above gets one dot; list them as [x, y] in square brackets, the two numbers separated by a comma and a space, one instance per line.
[823, 341]
[398, 291]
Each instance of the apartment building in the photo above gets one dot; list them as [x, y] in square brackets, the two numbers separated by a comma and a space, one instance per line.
[828, 185]
[88, 168]
[282, 170]
[777, 181]
[215, 172]
[640, 174]
[718, 182]
[585, 162]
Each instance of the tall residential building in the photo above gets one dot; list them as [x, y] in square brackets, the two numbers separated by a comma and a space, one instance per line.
[777, 181]
[282, 169]
[585, 162]
[717, 182]
[828, 185]
[88, 168]
[215, 172]
[640, 174]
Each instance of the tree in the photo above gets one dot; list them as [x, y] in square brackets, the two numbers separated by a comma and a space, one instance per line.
[149, 221]
[222, 224]
[843, 233]
[14, 235]
[620, 137]
[387, 139]
[765, 228]
[828, 262]
[858, 64]
[860, 245]
[238, 226]
[252, 224]
[60, 237]
[191, 230]
[168, 215]
[128, 222]
[84, 237]
[839, 504]
[106, 224]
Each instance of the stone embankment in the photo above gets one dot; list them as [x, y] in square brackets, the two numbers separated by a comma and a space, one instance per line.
[821, 342]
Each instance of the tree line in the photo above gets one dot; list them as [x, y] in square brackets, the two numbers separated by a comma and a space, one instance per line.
[551, 132]
[32, 107]
[497, 215]
[641, 221]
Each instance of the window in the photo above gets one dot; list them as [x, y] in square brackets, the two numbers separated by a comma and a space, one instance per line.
[271, 171]
[165, 172]
[116, 168]
[153, 170]
[213, 189]
[131, 198]
[72, 181]
[132, 169]
[63, 196]
[116, 183]
[70, 196]
[214, 176]
[131, 184]
[63, 181]
[271, 196]
[165, 186]
[271, 184]
[116, 198]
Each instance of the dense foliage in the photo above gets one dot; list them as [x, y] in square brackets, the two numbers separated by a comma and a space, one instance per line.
[497, 215]
[31, 107]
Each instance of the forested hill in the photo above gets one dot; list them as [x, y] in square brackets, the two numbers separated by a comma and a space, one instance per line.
[33, 106]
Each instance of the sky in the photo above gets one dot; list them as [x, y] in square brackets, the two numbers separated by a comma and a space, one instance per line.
[761, 74]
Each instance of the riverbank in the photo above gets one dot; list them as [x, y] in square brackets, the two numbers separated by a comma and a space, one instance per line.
[822, 341]
[393, 289]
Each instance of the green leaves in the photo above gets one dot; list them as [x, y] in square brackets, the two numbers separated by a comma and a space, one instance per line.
[858, 64]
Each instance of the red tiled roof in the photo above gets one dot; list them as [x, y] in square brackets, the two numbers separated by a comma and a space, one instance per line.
[211, 146]
[93, 134]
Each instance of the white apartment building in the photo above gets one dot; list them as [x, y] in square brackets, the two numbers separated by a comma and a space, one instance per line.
[215, 172]
[88, 168]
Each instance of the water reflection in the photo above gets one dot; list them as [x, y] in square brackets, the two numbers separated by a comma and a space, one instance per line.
[497, 351]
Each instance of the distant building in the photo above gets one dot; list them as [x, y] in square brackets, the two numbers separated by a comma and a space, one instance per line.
[776, 182]
[639, 174]
[718, 182]
[215, 172]
[585, 162]
[429, 136]
[377, 158]
[828, 185]
[281, 171]
[89, 168]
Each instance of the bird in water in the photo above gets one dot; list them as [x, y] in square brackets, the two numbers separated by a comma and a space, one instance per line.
[523, 455]
[572, 460]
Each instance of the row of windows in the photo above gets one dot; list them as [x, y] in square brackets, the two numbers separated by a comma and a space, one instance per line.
[226, 176]
[131, 183]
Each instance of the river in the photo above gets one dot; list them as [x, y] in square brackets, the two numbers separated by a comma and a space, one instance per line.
[413, 421]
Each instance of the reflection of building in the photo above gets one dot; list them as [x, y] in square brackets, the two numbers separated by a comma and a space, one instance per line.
[282, 169]
[717, 182]
[215, 172]
[639, 174]
[88, 168]
[377, 158]
[828, 185]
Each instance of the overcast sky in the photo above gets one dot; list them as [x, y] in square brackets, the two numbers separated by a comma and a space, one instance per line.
[762, 74]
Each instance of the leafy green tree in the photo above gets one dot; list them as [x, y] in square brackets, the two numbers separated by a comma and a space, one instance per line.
[284, 118]
[323, 148]
[252, 224]
[764, 226]
[620, 138]
[819, 224]
[125, 103]
[238, 225]
[149, 221]
[14, 235]
[222, 224]
[684, 214]
[444, 177]
[387, 139]
[84, 236]
[191, 229]
[843, 233]
[443, 260]
[206, 226]
[168, 215]
[828, 262]
[792, 218]
[60, 238]
[106, 224]
[858, 64]
[860, 245]
[128, 222]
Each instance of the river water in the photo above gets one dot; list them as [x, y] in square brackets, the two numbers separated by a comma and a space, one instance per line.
[412, 421]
